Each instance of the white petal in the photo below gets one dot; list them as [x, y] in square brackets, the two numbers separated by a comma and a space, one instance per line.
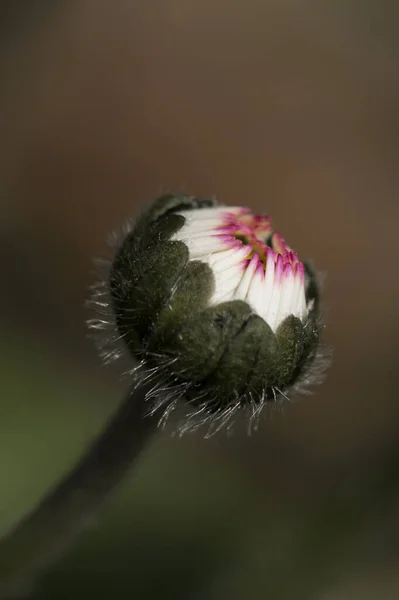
[268, 282]
[297, 288]
[208, 244]
[227, 283]
[285, 307]
[256, 289]
[302, 308]
[187, 235]
[220, 261]
[197, 225]
[242, 290]
[211, 213]
[276, 294]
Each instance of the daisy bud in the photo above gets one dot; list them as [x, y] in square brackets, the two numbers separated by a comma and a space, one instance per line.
[216, 307]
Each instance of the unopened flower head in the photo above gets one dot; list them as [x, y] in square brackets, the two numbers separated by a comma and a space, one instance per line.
[216, 307]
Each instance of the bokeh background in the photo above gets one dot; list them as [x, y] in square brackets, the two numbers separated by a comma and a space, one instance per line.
[288, 106]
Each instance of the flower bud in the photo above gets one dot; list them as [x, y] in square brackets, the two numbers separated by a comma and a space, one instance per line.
[216, 307]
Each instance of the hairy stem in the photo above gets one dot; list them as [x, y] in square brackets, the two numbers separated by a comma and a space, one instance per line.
[41, 536]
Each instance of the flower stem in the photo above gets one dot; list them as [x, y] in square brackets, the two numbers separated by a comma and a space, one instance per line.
[42, 535]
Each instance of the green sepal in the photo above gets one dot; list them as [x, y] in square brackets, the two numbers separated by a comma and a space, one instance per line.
[266, 372]
[190, 295]
[147, 234]
[203, 339]
[147, 267]
[290, 341]
[175, 202]
[310, 345]
[239, 373]
[142, 286]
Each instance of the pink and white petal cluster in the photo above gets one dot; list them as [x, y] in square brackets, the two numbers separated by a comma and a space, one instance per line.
[250, 262]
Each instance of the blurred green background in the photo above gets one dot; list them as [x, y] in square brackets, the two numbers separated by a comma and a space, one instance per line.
[289, 107]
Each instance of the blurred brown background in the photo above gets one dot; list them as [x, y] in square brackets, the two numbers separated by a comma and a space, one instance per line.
[289, 107]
